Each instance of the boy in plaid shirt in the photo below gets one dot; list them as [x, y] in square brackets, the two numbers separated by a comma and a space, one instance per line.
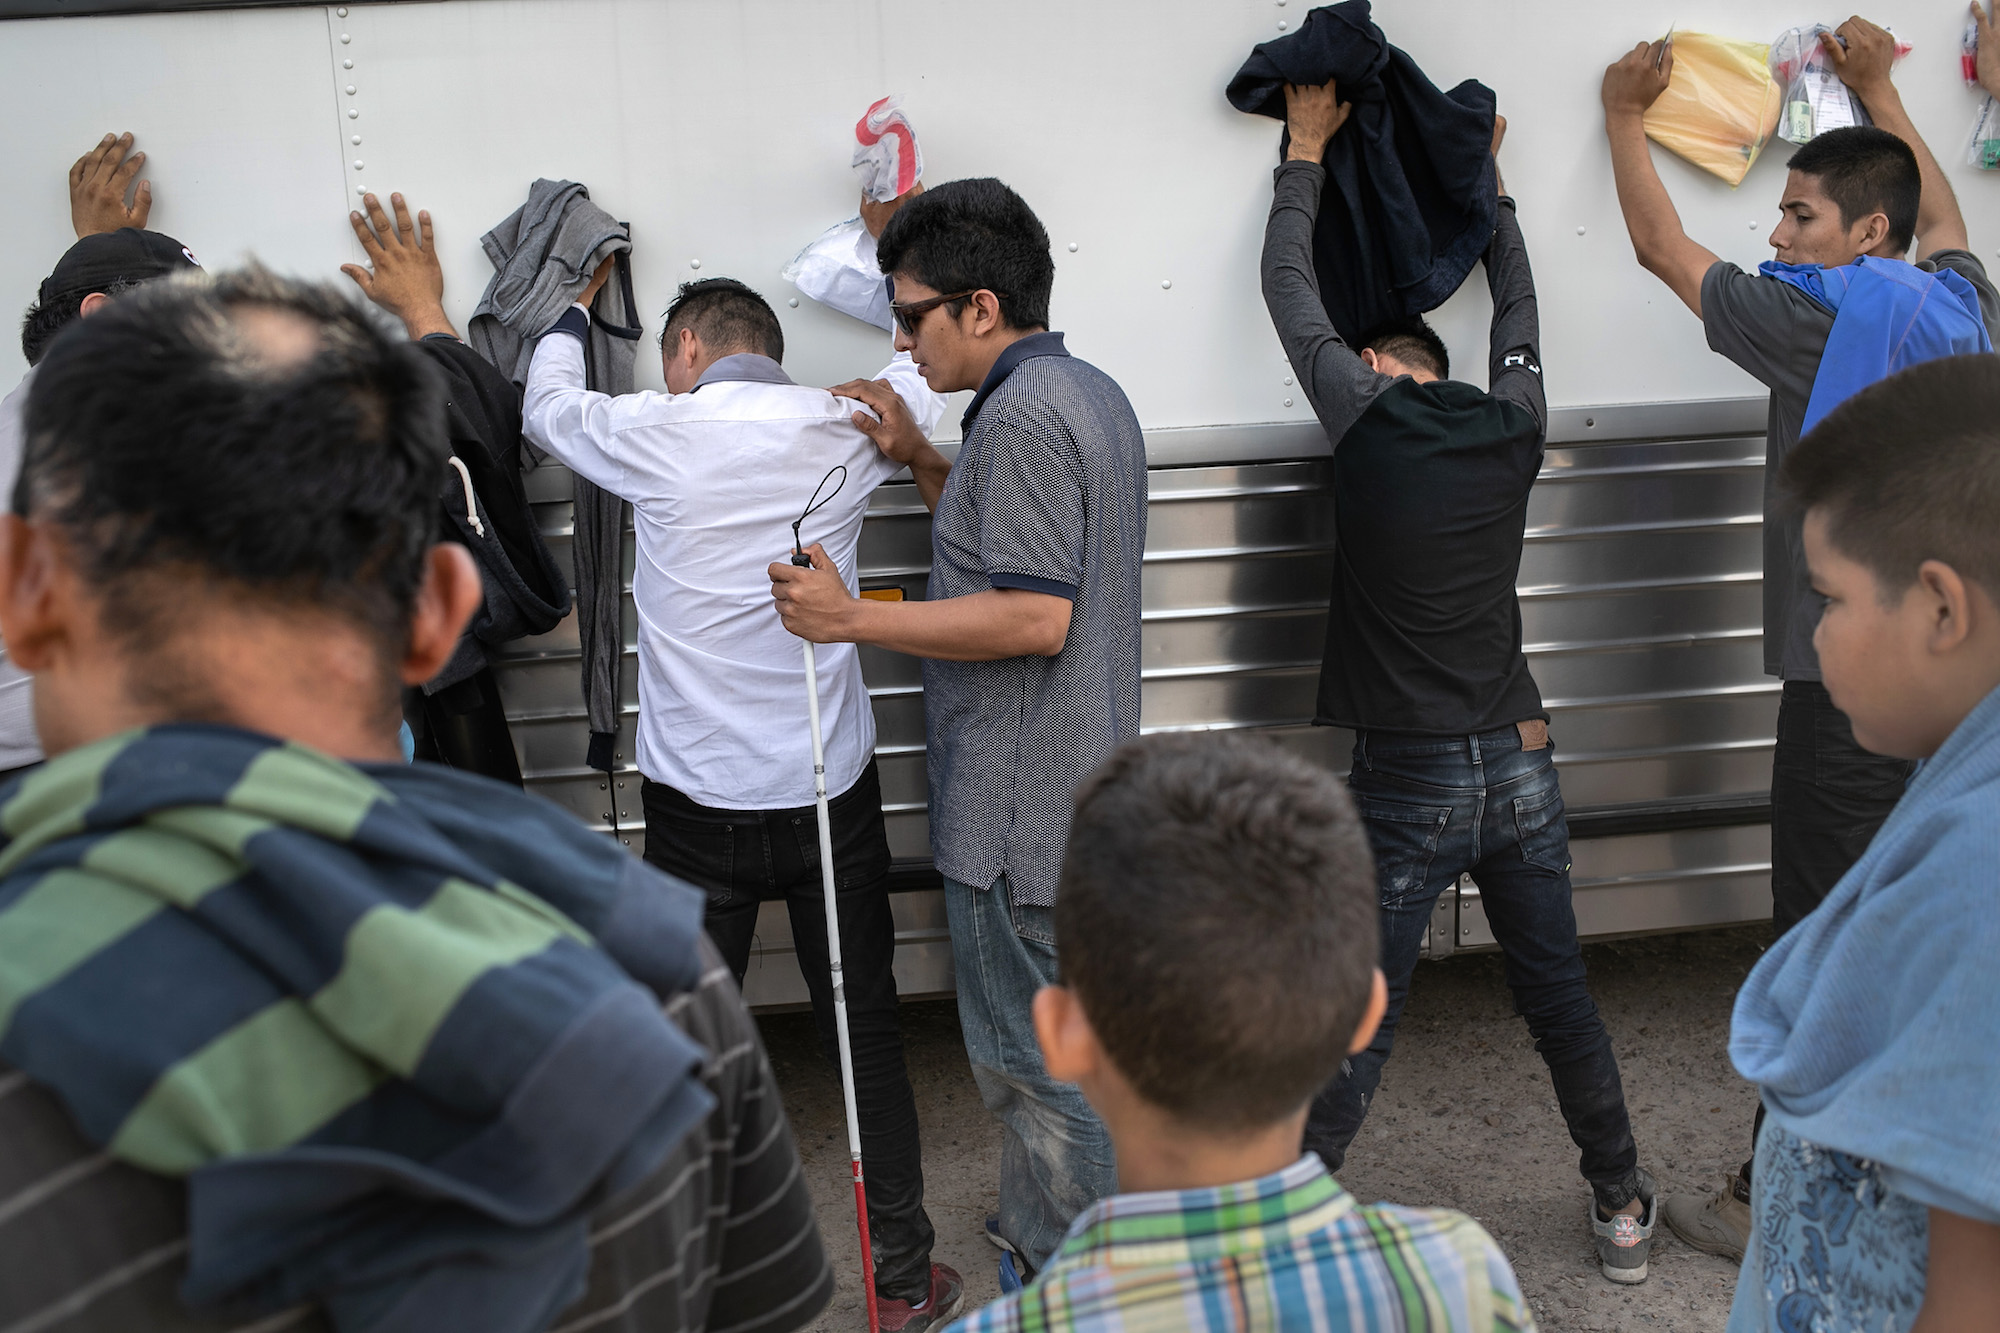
[1216, 916]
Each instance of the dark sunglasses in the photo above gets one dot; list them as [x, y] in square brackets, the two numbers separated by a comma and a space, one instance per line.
[908, 315]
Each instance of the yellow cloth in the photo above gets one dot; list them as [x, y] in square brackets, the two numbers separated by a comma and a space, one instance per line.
[1720, 105]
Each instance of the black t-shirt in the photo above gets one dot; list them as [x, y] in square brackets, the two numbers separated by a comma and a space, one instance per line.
[1430, 492]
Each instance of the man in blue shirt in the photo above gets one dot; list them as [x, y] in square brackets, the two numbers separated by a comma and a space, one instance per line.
[1030, 639]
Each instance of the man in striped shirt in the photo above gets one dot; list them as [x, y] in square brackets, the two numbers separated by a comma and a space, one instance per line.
[294, 1035]
[1204, 875]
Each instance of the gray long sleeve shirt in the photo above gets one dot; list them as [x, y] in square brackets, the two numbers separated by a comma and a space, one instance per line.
[1338, 383]
[1430, 494]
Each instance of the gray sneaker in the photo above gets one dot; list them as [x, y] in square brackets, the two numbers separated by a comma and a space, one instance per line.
[1717, 1223]
[1625, 1241]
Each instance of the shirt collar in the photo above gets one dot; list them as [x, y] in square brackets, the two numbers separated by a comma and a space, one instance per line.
[1188, 1226]
[752, 366]
[1035, 344]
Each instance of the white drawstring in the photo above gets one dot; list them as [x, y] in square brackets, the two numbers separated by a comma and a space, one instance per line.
[471, 505]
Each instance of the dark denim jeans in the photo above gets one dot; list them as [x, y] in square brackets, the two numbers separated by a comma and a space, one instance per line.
[744, 858]
[1436, 808]
[1055, 1154]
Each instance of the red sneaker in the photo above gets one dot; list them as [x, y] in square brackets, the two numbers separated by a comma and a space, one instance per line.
[947, 1291]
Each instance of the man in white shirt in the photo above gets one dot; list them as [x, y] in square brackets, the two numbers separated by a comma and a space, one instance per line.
[717, 471]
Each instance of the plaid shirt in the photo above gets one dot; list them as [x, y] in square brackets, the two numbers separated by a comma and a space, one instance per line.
[1290, 1251]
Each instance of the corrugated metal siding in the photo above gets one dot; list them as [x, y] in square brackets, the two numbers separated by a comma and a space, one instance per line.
[1640, 587]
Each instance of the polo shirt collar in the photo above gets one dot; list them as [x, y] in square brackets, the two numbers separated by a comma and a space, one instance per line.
[752, 366]
[1190, 1226]
[1035, 344]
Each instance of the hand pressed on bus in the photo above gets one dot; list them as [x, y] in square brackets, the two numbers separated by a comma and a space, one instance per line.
[403, 275]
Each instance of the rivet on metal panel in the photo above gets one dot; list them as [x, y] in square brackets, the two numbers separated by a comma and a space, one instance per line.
[357, 141]
[694, 263]
[357, 164]
[607, 814]
[1753, 224]
[1579, 231]
[626, 841]
[345, 39]
[1288, 402]
[621, 784]
[354, 113]
[1166, 284]
[361, 189]
[350, 90]
[1282, 25]
[793, 303]
[1072, 247]
[347, 63]
[1589, 422]
[341, 12]
[1288, 381]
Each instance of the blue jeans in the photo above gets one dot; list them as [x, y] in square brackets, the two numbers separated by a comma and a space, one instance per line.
[1438, 807]
[1055, 1156]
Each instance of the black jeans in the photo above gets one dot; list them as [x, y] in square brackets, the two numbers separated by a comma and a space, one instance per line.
[1828, 798]
[1438, 807]
[746, 857]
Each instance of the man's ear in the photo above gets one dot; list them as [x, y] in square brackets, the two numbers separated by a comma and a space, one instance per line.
[93, 303]
[1378, 1004]
[1368, 355]
[985, 308]
[689, 348]
[450, 593]
[1069, 1044]
[31, 614]
[1870, 234]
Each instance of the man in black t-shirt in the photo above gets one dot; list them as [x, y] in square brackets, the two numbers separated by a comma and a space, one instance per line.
[1854, 193]
[1453, 769]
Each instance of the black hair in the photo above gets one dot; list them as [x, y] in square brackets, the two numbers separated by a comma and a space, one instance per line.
[1411, 341]
[295, 462]
[1216, 917]
[1908, 470]
[1865, 169]
[974, 235]
[727, 316]
[45, 319]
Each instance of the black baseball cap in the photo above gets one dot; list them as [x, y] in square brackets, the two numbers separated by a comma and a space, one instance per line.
[126, 255]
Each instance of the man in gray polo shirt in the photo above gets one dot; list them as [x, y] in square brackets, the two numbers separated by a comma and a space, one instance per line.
[1030, 638]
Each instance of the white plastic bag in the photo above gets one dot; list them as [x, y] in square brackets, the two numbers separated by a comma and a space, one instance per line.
[885, 151]
[838, 269]
[1815, 99]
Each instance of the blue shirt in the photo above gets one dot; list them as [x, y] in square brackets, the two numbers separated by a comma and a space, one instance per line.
[1048, 494]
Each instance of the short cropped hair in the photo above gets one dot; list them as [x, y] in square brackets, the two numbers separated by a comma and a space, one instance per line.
[1865, 169]
[1411, 341]
[45, 319]
[1908, 470]
[168, 441]
[1216, 917]
[728, 316]
[974, 235]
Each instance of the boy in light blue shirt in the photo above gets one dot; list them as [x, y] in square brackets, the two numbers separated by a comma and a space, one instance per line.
[1873, 1027]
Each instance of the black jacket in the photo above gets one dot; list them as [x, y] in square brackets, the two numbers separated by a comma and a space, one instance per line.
[1409, 202]
[525, 589]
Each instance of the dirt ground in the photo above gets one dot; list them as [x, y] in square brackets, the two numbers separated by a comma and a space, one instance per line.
[1465, 1119]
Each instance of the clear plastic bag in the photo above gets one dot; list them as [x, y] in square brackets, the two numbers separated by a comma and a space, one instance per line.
[886, 154]
[1815, 99]
[1720, 105]
[1983, 151]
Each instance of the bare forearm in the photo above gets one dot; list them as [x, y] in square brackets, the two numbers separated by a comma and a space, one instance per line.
[980, 627]
[1658, 239]
[1940, 225]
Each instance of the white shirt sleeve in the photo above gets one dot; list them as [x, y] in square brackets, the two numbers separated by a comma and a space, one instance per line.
[577, 426]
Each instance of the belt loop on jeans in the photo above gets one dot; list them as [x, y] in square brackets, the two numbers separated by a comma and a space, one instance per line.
[1472, 748]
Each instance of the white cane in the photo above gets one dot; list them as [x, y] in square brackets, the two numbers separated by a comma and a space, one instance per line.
[799, 557]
